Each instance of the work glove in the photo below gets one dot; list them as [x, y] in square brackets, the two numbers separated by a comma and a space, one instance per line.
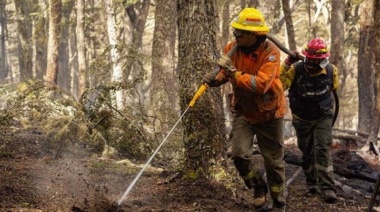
[209, 79]
[290, 60]
[225, 63]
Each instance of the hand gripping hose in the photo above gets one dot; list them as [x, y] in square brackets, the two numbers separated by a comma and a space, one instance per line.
[204, 86]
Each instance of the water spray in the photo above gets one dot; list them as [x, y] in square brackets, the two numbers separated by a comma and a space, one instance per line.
[198, 94]
[149, 160]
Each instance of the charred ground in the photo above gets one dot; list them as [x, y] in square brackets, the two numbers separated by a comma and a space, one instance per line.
[33, 179]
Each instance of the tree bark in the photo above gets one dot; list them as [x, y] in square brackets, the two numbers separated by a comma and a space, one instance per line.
[55, 15]
[81, 48]
[375, 66]
[289, 25]
[137, 14]
[203, 124]
[25, 50]
[337, 40]
[64, 66]
[4, 69]
[164, 89]
[40, 36]
[117, 75]
[366, 73]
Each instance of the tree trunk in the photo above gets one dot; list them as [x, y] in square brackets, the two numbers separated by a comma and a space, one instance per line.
[366, 74]
[39, 40]
[226, 88]
[137, 14]
[289, 25]
[375, 65]
[203, 124]
[24, 24]
[81, 48]
[337, 47]
[55, 15]
[64, 67]
[117, 75]
[4, 69]
[337, 40]
[164, 84]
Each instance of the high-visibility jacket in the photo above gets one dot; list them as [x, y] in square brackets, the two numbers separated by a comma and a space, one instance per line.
[257, 89]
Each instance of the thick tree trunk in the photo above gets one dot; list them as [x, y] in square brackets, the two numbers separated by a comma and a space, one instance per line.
[64, 65]
[203, 124]
[366, 73]
[55, 15]
[164, 84]
[377, 54]
[25, 50]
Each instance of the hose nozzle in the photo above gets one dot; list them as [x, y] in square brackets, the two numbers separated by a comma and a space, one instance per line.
[198, 94]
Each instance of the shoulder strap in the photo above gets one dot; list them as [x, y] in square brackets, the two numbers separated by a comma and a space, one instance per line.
[298, 67]
[330, 72]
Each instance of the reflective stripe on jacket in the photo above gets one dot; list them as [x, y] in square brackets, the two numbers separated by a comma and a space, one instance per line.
[258, 92]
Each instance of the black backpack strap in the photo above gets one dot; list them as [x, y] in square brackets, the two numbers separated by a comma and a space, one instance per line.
[330, 73]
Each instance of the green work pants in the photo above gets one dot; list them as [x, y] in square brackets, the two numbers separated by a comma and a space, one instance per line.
[270, 141]
[314, 139]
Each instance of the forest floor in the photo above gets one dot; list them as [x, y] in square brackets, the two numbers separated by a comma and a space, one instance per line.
[31, 179]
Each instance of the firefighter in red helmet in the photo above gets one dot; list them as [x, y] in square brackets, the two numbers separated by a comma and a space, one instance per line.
[310, 83]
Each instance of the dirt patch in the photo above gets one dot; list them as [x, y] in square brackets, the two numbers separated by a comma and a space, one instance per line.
[33, 179]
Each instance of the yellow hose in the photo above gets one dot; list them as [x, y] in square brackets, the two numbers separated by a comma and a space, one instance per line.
[198, 94]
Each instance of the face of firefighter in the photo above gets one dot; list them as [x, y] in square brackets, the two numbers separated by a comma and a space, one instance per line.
[244, 38]
[314, 66]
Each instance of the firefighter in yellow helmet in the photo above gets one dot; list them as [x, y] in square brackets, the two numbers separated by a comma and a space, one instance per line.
[258, 105]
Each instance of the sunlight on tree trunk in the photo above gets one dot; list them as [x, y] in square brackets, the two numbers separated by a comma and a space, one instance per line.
[81, 48]
[55, 15]
[337, 44]
[39, 41]
[289, 25]
[114, 52]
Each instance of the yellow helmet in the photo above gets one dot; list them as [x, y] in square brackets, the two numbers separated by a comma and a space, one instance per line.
[250, 19]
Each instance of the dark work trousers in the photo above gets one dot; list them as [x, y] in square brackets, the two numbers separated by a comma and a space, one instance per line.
[270, 141]
[314, 139]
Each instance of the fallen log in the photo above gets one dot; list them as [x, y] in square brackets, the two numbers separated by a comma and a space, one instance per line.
[347, 164]
[352, 173]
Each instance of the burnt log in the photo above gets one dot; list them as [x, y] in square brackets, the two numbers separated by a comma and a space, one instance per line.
[346, 163]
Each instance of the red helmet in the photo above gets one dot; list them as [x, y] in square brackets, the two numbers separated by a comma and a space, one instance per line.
[316, 49]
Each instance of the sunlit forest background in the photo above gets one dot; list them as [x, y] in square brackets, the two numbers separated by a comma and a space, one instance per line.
[108, 73]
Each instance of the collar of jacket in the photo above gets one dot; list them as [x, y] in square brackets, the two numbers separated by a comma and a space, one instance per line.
[251, 49]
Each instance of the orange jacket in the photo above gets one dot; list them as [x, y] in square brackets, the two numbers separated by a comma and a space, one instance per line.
[257, 89]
